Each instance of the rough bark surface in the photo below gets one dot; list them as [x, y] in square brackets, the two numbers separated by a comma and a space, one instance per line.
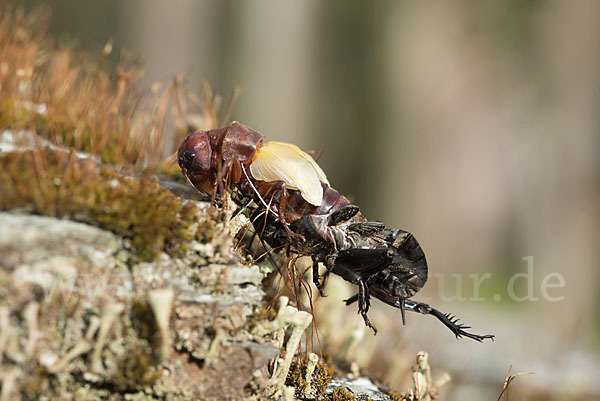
[79, 321]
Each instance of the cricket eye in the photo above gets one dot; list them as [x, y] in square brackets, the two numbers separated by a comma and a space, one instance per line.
[186, 159]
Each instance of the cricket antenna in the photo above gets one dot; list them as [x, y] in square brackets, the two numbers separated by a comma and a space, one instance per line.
[241, 209]
[262, 241]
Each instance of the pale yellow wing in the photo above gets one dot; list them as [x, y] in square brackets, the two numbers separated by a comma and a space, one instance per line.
[280, 161]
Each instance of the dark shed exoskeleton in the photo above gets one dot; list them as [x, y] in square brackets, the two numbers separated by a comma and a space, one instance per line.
[388, 264]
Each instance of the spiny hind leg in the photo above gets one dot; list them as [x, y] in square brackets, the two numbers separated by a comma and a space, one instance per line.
[447, 319]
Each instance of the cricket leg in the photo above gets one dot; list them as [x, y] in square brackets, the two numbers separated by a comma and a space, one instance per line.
[363, 291]
[450, 321]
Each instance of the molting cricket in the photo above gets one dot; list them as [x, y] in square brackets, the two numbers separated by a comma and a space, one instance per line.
[293, 207]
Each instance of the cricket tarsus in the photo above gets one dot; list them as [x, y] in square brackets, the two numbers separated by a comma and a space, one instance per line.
[450, 321]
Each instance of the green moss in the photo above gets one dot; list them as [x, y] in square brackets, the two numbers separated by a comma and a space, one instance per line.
[138, 369]
[54, 183]
[319, 381]
[341, 394]
[144, 322]
[138, 364]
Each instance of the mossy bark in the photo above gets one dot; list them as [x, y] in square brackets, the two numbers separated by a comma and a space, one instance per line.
[77, 321]
[114, 288]
[82, 305]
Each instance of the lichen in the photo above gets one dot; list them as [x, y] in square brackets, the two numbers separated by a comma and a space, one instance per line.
[91, 328]
[423, 386]
[319, 380]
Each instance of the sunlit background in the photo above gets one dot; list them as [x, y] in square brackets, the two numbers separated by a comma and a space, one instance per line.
[474, 125]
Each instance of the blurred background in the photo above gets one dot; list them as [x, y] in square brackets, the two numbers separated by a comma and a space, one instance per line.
[472, 124]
